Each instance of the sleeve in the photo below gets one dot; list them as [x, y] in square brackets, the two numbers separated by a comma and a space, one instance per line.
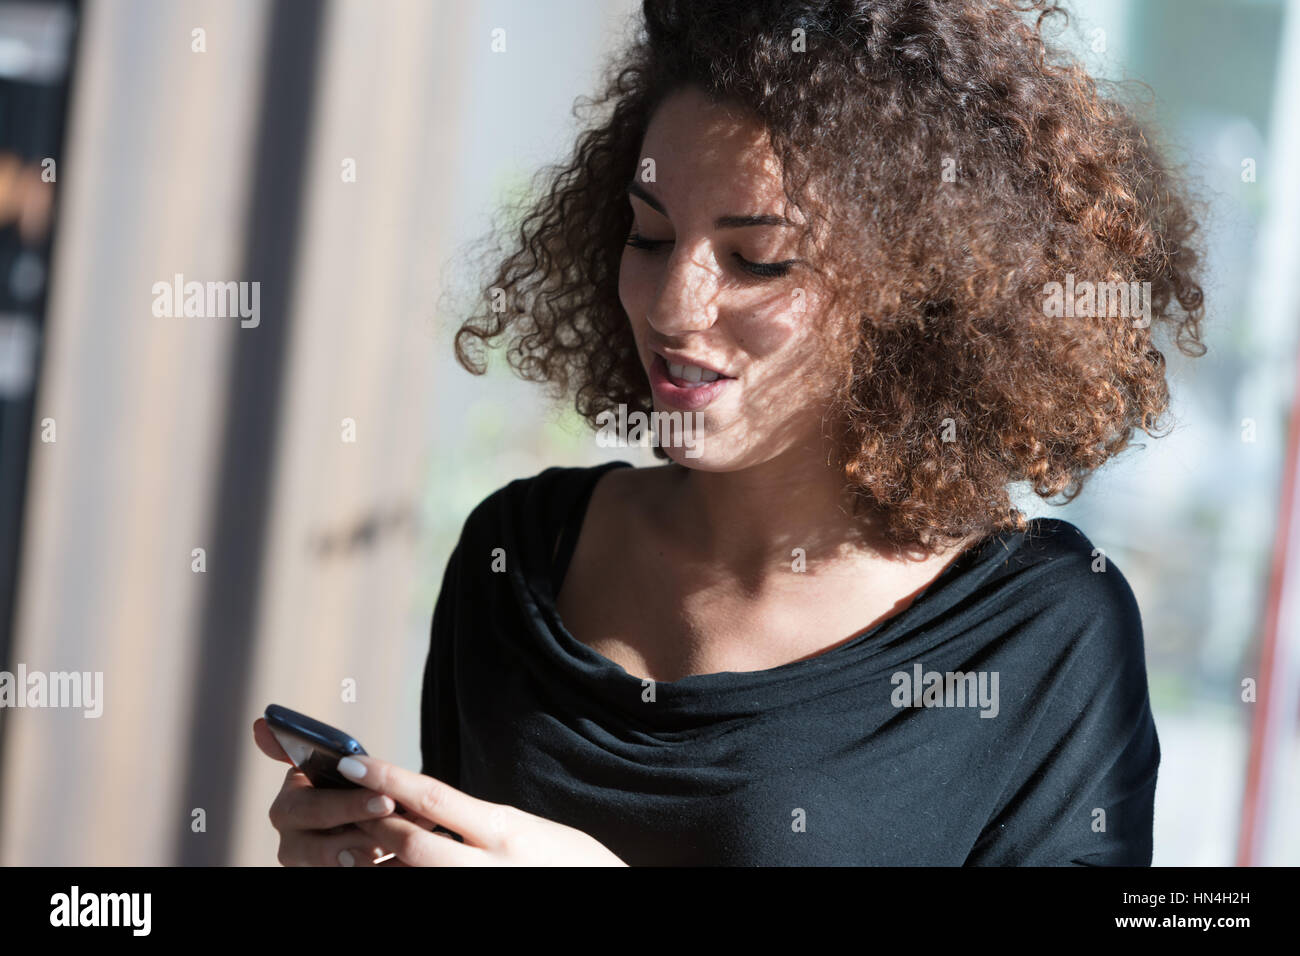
[439, 713]
[1083, 791]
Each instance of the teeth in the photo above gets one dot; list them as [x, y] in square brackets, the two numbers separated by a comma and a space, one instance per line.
[691, 373]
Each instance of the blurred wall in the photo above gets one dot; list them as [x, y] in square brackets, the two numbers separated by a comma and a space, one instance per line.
[153, 184]
[343, 555]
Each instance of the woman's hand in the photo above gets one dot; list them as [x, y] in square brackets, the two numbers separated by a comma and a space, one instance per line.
[317, 826]
[494, 834]
[320, 827]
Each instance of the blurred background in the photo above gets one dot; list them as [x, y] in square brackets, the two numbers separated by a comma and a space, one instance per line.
[217, 513]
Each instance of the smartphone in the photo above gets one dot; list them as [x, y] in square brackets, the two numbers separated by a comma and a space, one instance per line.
[314, 748]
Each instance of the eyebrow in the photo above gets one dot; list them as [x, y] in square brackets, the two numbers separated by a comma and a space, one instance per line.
[634, 188]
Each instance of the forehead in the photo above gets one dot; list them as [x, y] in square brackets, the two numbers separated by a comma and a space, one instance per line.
[710, 158]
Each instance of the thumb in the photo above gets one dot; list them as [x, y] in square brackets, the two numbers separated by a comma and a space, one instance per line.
[266, 741]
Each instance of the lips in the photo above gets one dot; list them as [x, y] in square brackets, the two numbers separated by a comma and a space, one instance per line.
[688, 391]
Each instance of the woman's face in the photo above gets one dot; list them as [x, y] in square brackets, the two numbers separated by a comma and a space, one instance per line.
[712, 283]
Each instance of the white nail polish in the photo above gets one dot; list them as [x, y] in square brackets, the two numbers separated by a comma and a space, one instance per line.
[345, 858]
[352, 768]
[377, 804]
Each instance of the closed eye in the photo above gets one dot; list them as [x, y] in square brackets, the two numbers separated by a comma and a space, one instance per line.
[770, 270]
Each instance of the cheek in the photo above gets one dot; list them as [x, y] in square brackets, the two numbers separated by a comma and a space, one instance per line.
[778, 325]
[633, 288]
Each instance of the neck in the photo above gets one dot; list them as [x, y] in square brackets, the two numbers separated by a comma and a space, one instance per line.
[751, 521]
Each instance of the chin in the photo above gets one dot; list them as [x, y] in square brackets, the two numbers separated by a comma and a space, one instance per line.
[734, 447]
[705, 452]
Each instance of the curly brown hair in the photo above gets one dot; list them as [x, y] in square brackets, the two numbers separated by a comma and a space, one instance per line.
[952, 165]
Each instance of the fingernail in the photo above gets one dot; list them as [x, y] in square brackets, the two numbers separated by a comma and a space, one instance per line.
[345, 858]
[379, 805]
[352, 768]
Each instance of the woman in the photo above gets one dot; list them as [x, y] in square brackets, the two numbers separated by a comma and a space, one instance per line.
[890, 258]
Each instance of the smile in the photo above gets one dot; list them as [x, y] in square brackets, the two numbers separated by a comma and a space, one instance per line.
[686, 387]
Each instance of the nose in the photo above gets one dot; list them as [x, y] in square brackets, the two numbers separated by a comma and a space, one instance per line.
[687, 297]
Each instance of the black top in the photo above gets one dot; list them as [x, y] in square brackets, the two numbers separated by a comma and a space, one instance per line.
[856, 756]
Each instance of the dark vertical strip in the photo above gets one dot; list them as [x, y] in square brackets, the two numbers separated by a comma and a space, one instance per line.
[33, 126]
[220, 724]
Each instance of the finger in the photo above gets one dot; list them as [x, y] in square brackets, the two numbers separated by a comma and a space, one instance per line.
[416, 846]
[479, 822]
[351, 847]
[266, 741]
[300, 806]
[363, 856]
[401, 813]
